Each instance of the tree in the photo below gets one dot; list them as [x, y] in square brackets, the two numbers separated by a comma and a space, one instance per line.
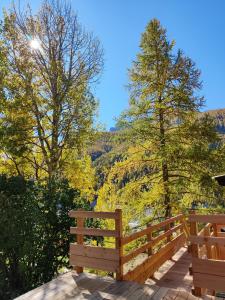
[48, 107]
[35, 238]
[169, 142]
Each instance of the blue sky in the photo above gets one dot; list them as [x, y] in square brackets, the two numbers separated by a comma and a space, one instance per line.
[198, 28]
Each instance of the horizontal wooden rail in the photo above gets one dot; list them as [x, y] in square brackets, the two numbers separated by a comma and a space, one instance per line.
[96, 263]
[94, 232]
[209, 274]
[100, 258]
[215, 267]
[217, 219]
[149, 266]
[93, 214]
[112, 259]
[150, 244]
[95, 257]
[136, 235]
[95, 252]
[210, 240]
[207, 250]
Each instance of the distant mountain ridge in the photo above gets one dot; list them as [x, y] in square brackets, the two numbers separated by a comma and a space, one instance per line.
[105, 143]
[219, 116]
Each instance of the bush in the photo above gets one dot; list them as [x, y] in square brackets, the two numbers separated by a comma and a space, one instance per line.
[34, 228]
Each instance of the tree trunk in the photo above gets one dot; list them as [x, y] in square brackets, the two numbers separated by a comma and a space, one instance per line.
[165, 172]
[166, 190]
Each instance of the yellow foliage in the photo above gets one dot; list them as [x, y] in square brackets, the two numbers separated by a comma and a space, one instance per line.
[81, 174]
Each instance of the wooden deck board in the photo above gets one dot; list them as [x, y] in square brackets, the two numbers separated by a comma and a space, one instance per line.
[174, 274]
[170, 282]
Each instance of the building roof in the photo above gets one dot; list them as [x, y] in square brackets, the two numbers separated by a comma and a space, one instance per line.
[220, 179]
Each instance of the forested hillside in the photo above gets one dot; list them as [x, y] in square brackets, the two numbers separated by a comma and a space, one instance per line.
[111, 162]
[219, 116]
[107, 140]
[108, 149]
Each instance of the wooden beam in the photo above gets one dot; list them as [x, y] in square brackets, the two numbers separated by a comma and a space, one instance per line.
[154, 266]
[207, 240]
[93, 232]
[186, 229]
[149, 239]
[148, 264]
[208, 247]
[212, 267]
[95, 252]
[215, 233]
[95, 263]
[119, 247]
[207, 227]
[93, 214]
[218, 219]
[150, 244]
[148, 230]
[80, 240]
[194, 250]
[211, 282]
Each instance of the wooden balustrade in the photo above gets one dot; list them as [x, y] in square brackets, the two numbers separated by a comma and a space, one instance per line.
[207, 248]
[168, 236]
[159, 232]
[100, 258]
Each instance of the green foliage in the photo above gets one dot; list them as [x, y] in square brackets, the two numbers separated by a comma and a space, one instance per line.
[171, 149]
[35, 237]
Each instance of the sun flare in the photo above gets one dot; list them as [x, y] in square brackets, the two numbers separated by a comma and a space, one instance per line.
[35, 44]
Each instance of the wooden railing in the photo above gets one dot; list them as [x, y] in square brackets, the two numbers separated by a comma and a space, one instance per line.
[163, 240]
[159, 243]
[208, 253]
[100, 258]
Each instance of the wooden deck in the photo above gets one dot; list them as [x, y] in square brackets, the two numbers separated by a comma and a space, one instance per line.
[171, 281]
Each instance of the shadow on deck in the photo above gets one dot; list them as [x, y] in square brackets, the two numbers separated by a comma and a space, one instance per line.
[171, 281]
[174, 273]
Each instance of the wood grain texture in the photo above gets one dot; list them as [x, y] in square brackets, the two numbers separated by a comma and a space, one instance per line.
[93, 214]
[150, 244]
[96, 263]
[195, 250]
[94, 232]
[119, 246]
[209, 281]
[218, 219]
[80, 239]
[136, 235]
[153, 262]
[89, 286]
[95, 252]
[205, 266]
[207, 240]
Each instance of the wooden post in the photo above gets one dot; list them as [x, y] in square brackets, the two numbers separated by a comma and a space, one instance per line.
[149, 238]
[185, 229]
[194, 250]
[217, 248]
[208, 247]
[80, 239]
[168, 227]
[119, 230]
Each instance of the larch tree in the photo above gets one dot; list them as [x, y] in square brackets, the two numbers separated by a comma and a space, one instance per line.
[48, 107]
[168, 142]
